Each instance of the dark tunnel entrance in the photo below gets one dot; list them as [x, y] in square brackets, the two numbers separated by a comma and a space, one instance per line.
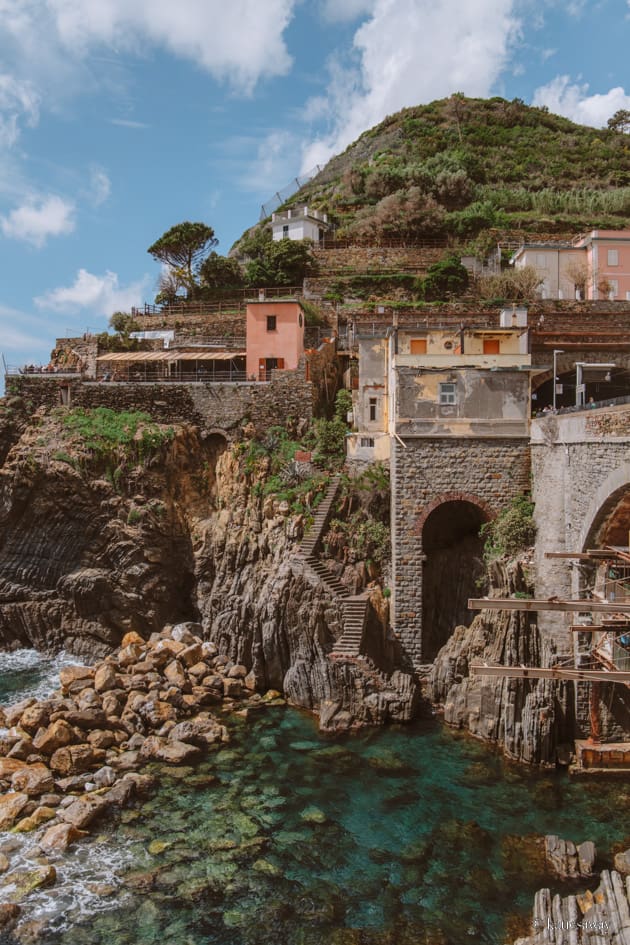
[453, 566]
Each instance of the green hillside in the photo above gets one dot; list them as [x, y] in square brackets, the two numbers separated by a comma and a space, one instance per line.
[458, 167]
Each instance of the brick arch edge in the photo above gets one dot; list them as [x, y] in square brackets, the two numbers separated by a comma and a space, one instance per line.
[452, 497]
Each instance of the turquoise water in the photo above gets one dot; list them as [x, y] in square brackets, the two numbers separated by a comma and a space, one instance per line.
[397, 836]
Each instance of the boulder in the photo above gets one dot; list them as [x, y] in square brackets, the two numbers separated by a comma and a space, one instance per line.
[567, 860]
[237, 672]
[130, 638]
[22, 749]
[33, 780]
[35, 717]
[232, 688]
[104, 777]
[200, 731]
[11, 806]
[105, 680]
[54, 736]
[155, 712]
[9, 914]
[199, 670]
[39, 816]
[101, 739]
[622, 862]
[129, 654]
[171, 752]
[84, 810]
[38, 878]
[186, 633]
[87, 719]
[112, 702]
[121, 793]
[191, 655]
[13, 713]
[73, 759]
[174, 673]
[74, 677]
[59, 837]
[8, 767]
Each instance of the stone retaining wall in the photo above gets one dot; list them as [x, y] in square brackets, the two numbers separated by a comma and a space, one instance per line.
[224, 407]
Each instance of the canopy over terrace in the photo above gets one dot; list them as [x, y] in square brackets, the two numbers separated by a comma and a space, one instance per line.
[206, 366]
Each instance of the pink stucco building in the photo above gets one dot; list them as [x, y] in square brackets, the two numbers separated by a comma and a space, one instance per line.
[275, 337]
[595, 265]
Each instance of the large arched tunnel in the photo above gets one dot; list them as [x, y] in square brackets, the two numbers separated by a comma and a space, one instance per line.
[453, 568]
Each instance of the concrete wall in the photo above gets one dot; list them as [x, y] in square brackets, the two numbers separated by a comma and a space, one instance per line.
[487, 403]
[426, 472]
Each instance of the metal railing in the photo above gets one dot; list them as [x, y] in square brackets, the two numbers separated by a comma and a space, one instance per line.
[39, 370]
[234, 303]
[227, 342]
[200, 376]
[385, 243]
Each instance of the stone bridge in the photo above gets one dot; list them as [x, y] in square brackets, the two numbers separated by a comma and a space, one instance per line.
[578, 468]
[581, 487]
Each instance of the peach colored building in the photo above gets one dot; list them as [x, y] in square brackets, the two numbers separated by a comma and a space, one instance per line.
[275, 337]
[595, 265]
[608, 263]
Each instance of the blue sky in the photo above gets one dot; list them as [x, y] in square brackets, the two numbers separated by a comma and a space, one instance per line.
[119, 118]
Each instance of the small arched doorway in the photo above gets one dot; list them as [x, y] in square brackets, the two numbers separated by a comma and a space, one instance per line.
[453, 568]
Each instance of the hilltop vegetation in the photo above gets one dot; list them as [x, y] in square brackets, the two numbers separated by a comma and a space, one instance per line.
[458, 167]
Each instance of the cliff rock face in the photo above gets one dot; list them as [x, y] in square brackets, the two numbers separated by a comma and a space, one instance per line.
[529, 719]
[88, 554]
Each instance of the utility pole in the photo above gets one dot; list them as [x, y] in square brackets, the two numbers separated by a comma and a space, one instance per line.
[556, 352]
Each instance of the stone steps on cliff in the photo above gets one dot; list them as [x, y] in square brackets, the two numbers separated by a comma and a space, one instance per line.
[354, 619]
[327, 577]
[311, 540]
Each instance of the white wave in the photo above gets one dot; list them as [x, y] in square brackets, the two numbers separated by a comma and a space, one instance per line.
[27, 674]
[89, 880]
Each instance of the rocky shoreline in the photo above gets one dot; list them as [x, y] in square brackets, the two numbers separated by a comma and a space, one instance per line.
[68, 760]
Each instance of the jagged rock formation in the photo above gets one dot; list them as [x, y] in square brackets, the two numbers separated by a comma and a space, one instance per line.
[186, 535]
[567, 859]
[591, 918]
[531, 720]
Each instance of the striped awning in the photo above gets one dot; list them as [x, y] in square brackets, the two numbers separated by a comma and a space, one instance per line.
[142, 356]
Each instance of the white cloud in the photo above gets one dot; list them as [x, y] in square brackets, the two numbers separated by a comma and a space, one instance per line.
[240, 42]
[573, 101]
[18, 101]
[38, 218]
[102, 295]
[412, 51]
[100, 186]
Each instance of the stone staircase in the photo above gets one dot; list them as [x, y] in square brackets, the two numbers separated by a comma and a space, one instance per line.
[354, 607]
[311, 541]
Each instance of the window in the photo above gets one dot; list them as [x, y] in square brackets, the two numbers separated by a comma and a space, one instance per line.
[367, 442]
[491, 346]
[418, 346]
[285, 231]
[447, 396]
[613, 257]
[271, 322]
[613, 288]
[373, 408]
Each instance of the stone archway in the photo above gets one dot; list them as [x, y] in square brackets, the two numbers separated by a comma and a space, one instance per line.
[453, 565]
[607, 519]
